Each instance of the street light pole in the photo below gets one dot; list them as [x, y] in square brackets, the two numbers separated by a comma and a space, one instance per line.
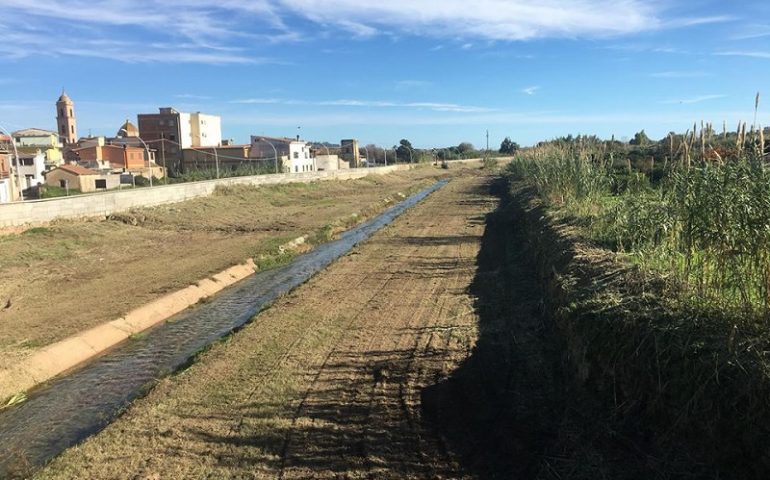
[274, 151]
[163, 156]
[216, 160]
[147, 149]
[18, 164]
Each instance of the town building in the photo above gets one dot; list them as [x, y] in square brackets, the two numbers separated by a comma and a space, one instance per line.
[65, 119]
[330, 162]
[8, 190]
[30, 140]
[227, 156]
[170, 132]
[84, 180]
[31, 168]
[106, 156]
[349, 151]
[293, 154]
[126, 152]
[128, 130]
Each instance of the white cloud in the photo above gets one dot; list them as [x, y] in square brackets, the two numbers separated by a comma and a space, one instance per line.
[695, 21]
[530, 90]
[749, 32]
[408, 84]
[227, 31]
[488, 19]
[744, 53]
[692, 100]
[500, 19]
[680, 74]
[433, 106]
[192, 96]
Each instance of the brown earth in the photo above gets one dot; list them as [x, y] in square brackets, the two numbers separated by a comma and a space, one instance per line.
[327, 383]
[72, 275]
[425, 353]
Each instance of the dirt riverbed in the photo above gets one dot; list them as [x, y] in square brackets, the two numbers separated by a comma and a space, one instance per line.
[326, 383]
[61, 279]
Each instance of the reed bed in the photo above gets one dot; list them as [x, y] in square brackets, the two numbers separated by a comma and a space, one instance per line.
[697, 208]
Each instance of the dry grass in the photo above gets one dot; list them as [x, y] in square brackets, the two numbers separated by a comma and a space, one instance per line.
[326, 383]
[72, 275]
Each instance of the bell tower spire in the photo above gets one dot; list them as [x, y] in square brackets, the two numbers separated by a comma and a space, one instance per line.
[65, 120]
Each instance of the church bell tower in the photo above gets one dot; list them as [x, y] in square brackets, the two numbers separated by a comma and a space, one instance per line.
[65, 119]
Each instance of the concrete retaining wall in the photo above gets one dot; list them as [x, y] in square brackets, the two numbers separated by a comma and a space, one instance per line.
[37, 212]
[61, 356]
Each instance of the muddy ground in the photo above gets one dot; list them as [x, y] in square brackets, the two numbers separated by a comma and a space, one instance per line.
[72, 275]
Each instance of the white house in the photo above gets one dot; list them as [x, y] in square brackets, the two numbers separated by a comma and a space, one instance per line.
[31, 169]
[330, 162]
[7, 191]
[294, 154]
[205, 130]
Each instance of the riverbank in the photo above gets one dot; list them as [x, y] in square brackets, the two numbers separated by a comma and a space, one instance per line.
[63, 279]
[326, 383]
[685, 388]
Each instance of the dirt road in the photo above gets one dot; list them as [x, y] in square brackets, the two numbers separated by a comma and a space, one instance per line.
[326, 383]
[72, 275]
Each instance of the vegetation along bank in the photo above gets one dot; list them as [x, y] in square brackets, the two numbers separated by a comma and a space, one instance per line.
[655, 263]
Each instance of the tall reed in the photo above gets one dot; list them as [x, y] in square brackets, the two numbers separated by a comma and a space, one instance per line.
[707, 221]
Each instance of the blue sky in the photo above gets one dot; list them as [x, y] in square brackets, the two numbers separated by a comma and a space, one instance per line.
[435, 72]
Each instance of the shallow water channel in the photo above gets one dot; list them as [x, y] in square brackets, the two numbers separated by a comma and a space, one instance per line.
[68, 409]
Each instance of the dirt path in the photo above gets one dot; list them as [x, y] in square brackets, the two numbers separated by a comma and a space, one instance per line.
[68, 277]
[327, 383]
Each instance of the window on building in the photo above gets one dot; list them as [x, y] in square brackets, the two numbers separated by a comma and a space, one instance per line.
[71, 115]
[63, 130]
[296, 155]
[63, 183]
[172, 138]
[72, 127]
[101, 183]
[296, 168]
[61, 112]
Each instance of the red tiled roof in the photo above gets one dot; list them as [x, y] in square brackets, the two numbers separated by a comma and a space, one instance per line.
[78, 170]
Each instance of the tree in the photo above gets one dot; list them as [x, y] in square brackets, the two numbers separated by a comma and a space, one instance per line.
[405, 150]
[465, 147]
[641, 139]
[508, 147]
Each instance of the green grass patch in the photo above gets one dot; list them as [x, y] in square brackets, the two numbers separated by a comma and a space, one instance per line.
[269, 262]
[50, 191]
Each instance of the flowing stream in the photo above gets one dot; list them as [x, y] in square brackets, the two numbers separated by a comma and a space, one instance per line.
[70, 408]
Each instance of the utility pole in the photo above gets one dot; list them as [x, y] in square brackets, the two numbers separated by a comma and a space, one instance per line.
[163, 153]
[216, 159]
[18, 164]
[486, 152]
